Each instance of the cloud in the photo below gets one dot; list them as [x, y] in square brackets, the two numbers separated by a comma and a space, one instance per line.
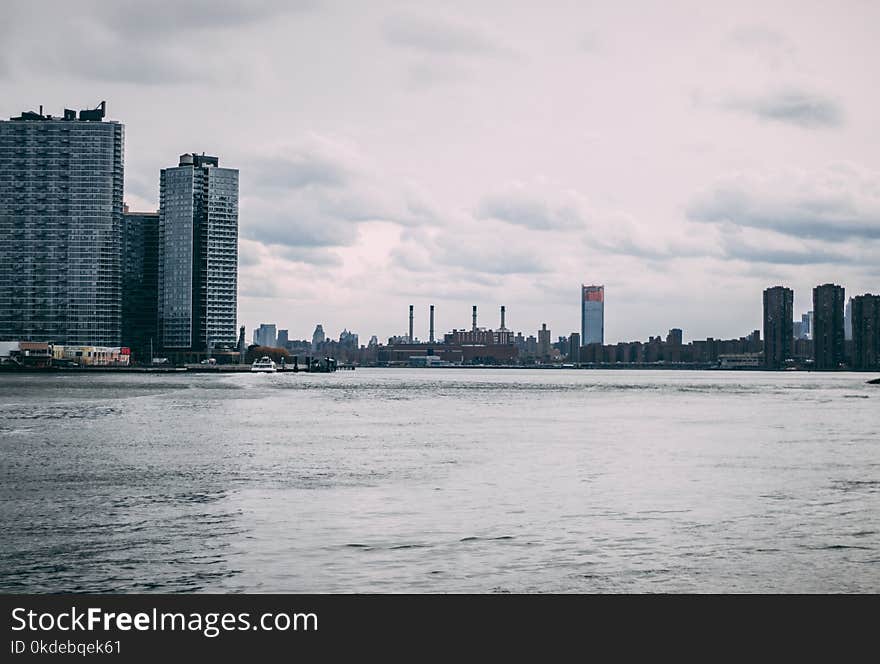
[537, 206]
[318, 256]
[439, 36]
[794, 107]
[838, 203]
[770, 46]
[762, 251]
[472, 249]
[542, 206]
[162, 19]
[142, 43]
[590, 42]
[249, 253]
[294, 222]
[297, 170]
[317, 192]
[132, 63]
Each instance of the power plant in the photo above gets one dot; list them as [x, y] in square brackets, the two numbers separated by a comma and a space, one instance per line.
[473, 346]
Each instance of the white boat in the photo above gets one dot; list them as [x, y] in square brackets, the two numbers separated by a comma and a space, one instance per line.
[264, 365]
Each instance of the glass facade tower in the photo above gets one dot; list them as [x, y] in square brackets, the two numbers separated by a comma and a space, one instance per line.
[140, 272]
[61, 228]
[198, 255]
[592, 315]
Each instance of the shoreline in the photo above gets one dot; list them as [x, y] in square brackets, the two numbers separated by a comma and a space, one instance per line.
[238, 369]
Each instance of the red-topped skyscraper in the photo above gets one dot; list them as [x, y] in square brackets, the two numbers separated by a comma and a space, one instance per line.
[592, 315]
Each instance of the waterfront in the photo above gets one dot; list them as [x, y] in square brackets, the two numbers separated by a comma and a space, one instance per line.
[440, 481]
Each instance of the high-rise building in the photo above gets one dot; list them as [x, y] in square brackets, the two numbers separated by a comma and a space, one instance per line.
[847, 321]
[61, 228]
[282, 339]
[675, 337]
[318, 337]
[140, 283]
[348, 340]
[265, 335]
[807, 325]
[828, 348]
[592, 314]
[866, 332]
[198, 254]
[574, 347]
[544, 342]
[778, 326]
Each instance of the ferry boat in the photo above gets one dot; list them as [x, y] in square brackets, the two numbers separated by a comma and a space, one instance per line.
[264, 365]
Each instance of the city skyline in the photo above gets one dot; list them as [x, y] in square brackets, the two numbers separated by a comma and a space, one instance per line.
[451, 157]
[190, 247]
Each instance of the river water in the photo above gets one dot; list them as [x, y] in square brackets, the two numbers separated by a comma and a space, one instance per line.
[438, 480]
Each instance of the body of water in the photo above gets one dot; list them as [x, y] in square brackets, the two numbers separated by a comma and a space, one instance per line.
[433, 480]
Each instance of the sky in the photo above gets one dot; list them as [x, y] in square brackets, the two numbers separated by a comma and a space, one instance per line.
[686, 155]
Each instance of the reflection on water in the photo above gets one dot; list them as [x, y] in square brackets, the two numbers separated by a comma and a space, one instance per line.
[440, 481]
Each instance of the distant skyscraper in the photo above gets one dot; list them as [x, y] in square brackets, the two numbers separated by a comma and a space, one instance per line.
[828, 326]
[282, 339]
[242, 345]
[847, 320]
[544, 342]
[348, 339]
[265, 335]
[866, 332]
[675, 337]
[592, 315]
[317, 337]
[574, 347]
[778, 326]
[198, 254]
[140, 283]
[807, 325]
[61, 228]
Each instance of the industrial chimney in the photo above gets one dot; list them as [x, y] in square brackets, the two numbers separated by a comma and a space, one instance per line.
[410, 340]
[502, 318]
[475, 318]
[431, 328]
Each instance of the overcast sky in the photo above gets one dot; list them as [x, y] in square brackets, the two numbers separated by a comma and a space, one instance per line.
[685, 154]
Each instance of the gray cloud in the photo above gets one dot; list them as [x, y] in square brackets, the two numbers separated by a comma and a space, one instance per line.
[299, 227]
[438, 36]
[479, 251]
[133, 63]
[301, 169]
[136, 19]
[322, 257]
[770, 46]
[127, 41]
[494, 260]
[834, 205]
[590, 42]
[317, 193]
[737, 250]
[794, 107]
[520, 208]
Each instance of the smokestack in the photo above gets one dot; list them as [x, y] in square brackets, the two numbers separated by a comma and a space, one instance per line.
[475, 318]
[410, 323]
[502, 318]
[431, 328]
